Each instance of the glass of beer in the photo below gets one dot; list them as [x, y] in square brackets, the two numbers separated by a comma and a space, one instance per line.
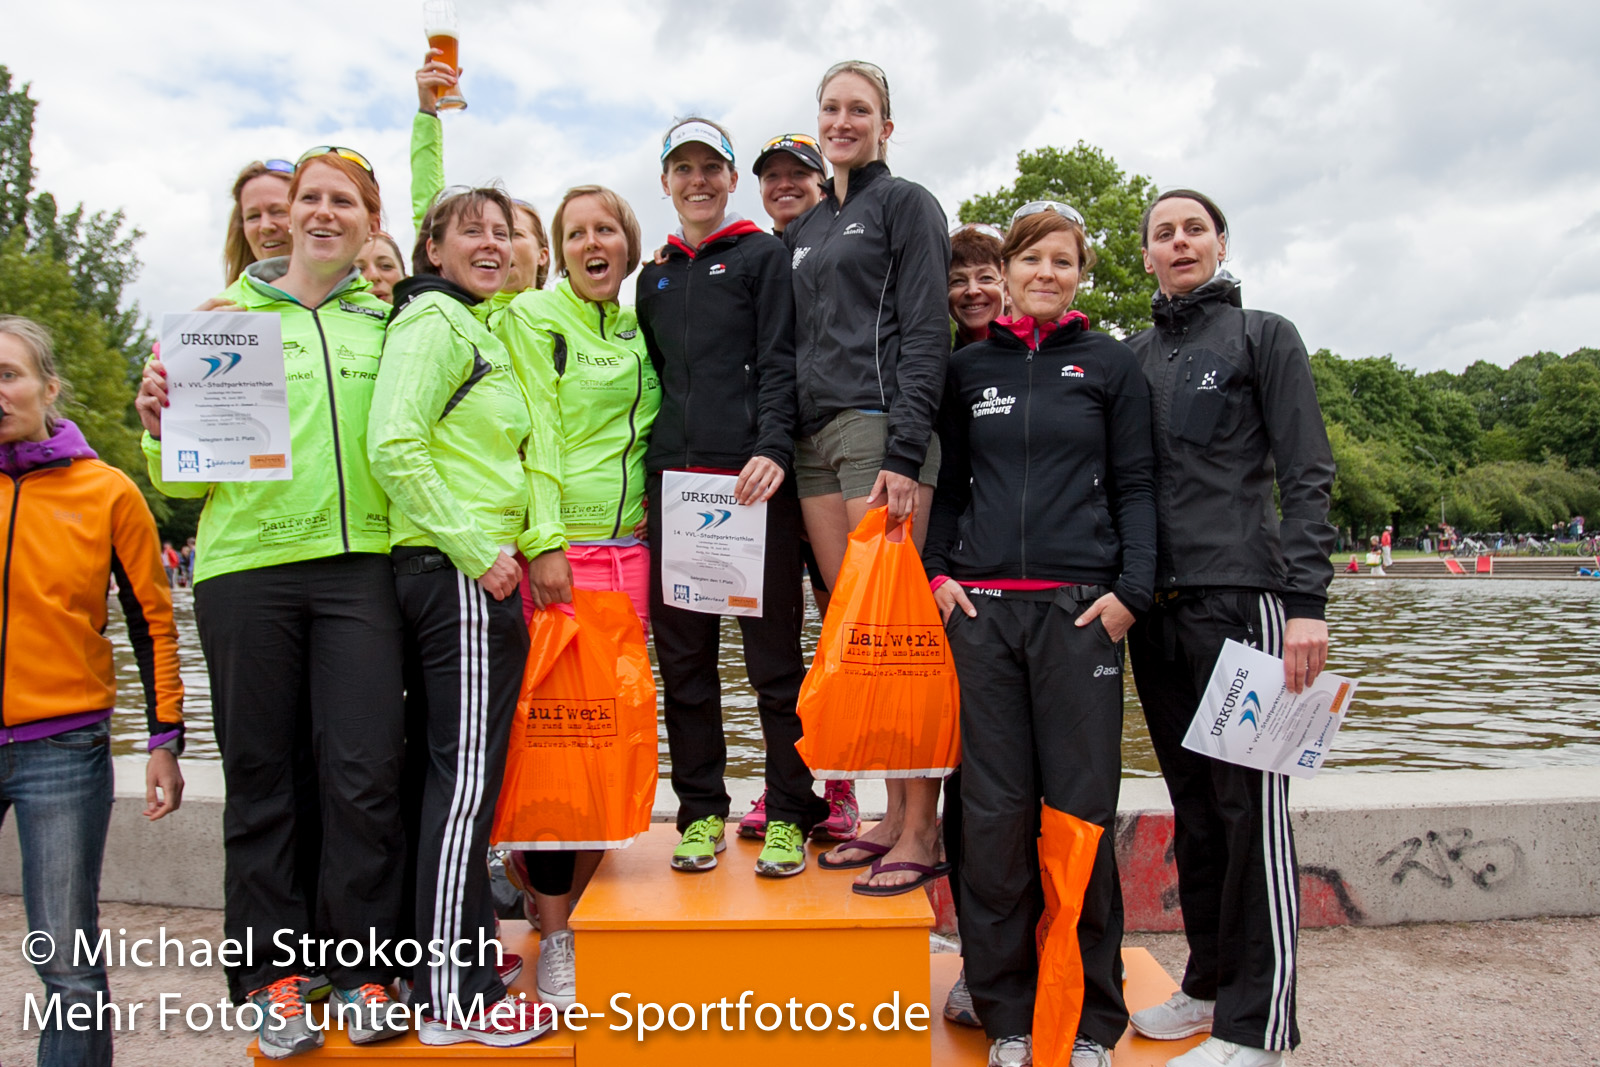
[440, 24]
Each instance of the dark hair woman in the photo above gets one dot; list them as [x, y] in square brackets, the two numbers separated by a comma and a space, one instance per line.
[1236, 411]
[1044, 401]
[453, 443]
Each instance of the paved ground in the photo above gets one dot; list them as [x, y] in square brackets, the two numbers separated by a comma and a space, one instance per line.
[1452, 994]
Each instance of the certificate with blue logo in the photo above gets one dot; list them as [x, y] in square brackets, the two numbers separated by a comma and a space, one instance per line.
[1248, 716]
[713, 548]
[228, 417]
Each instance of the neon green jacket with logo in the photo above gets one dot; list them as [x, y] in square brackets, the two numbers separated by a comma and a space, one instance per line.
[468, 466]
[333, 504]
[586, 365]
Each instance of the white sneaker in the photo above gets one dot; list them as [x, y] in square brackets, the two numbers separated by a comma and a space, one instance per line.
[1087, 1052]
[1014, 1051]
[958, 1005]
[1214, 1052]
[1181, 1016]
[508, 1022]
[558, 969]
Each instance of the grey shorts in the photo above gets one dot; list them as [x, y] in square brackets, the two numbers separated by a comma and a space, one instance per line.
[846, 455]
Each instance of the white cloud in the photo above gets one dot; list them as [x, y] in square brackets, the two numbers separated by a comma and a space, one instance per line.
[1415, 179]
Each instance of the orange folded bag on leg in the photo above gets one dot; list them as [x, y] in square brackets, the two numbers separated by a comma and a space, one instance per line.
[1067, 848]
[581, 766]
[881, 698]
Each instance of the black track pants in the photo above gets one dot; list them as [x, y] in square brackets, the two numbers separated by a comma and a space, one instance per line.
[1041, 718]
[686, 653]
[322, 634]
[470, 650]
[1232, 839]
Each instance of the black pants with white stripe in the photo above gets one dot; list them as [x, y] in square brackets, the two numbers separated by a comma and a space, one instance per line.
[1232, 839]
[470, 651]
[1041, 718]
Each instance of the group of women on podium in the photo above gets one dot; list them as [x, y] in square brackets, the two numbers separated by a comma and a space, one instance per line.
[471, 446]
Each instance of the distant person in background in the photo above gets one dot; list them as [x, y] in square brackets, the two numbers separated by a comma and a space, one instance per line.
[258, 227]
[170, 560]
[71, 523]
[1387, 541]
[1236, 415]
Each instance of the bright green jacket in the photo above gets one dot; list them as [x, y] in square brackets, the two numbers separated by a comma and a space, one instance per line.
[452, 441]
[427, 164]
[333, 504]
[585, 365]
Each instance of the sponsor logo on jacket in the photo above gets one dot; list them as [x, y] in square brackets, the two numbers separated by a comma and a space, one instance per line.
[1072, 370]
[854, 229]
[993, 404]
[1208, 383]
[799, 254]
[371, 313]
[718, 268]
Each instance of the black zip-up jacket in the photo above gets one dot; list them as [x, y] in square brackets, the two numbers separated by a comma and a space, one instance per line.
[1235, 408]
[718, 322]
[872, 315]
[1047, 469]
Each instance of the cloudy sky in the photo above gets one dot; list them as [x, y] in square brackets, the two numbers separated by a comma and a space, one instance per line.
[1416, 178]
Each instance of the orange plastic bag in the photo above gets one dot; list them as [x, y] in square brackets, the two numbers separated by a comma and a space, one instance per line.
[881, 699]
[581, 766]
[1067, 848]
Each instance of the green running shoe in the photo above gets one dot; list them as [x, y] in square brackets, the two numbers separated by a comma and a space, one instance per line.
[784, 854]
[700, 845]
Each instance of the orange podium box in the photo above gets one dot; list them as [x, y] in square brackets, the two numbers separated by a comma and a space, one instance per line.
[802, 951]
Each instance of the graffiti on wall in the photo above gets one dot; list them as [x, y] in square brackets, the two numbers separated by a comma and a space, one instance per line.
[1447, 858]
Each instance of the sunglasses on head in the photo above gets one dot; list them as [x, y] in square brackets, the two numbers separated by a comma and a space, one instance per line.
[1034, 207]
[279, 166]
[857, 65]
[783, 140]
[334, 150]
[985, 228]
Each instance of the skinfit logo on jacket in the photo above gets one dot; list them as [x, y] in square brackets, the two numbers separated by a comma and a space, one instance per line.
[721, 268]
[854, 229]
[1072, 370]
[993, 404]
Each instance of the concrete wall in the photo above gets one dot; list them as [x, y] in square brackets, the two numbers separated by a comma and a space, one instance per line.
[1374, 848]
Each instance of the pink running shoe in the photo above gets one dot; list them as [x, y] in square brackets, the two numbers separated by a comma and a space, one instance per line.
[754, 824]
[844, 816]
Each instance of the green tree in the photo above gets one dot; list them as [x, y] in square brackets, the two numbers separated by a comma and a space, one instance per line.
[69, 272]
[1116, 293]
[1566, 417]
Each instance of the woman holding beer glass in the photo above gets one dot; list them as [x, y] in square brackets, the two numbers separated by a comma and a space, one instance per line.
[470, 479]
[581, 356]
[1039, 654]
[530, 248]
[871, 338]
[299, 617]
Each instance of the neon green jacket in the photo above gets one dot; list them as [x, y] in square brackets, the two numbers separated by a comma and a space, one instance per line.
[333, 504]
[586, 365]
[466, 467]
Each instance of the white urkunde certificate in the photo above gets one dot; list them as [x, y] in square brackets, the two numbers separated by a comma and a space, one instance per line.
[228, 420]
[1247, 716]
[712, 548]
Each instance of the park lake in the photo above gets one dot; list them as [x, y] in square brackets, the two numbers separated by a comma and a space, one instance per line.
[1486, 673]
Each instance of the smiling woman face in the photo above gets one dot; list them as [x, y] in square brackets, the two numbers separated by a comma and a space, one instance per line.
[475, 252]
[329, 222]
[594, 249]
[1183, 249]
[264, 209]
[850, 121]
[1043, 277]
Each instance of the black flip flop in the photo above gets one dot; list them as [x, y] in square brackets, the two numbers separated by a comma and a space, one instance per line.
[877, 852]
[925, 874]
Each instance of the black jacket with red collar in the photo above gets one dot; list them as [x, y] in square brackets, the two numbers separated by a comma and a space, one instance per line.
[718, 322]
[1048, 466]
